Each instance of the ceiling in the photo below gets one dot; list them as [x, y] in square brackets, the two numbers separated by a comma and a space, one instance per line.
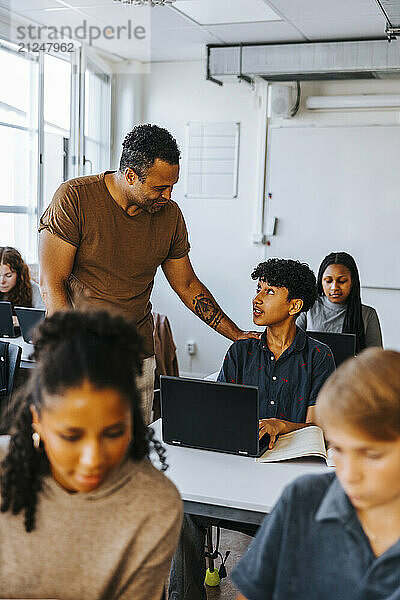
[181, 31]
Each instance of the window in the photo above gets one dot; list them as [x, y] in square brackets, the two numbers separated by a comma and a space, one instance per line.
[54, 125]
[97, 120]
[56, 116]
[18, 150]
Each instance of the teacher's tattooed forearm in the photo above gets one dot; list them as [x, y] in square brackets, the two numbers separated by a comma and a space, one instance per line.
[207, 310]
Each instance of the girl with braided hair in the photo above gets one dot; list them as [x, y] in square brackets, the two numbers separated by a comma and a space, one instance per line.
[338, 307]
[16, 286]
[84, 514]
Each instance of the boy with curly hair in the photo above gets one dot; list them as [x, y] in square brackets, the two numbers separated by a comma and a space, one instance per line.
[288, 367]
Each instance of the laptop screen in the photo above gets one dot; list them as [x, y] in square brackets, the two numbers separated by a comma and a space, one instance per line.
[343, 345]
[209, 415]
[6, 320]
[28, 319]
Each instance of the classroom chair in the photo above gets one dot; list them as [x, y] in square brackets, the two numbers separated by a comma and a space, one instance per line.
[11, 359]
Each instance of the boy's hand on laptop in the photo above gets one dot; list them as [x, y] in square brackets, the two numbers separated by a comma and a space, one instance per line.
[244, 335]
[273, 427]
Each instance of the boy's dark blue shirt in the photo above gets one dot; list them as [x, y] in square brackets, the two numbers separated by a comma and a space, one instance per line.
[312, 547]
[287, 386]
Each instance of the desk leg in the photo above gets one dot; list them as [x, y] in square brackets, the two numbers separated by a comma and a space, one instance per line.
[212, 574]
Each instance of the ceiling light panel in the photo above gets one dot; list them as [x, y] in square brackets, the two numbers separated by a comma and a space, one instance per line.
[210, 12]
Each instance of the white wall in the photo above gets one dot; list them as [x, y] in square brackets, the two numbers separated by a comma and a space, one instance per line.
[386, 302]
[220, 230]
[126, 109]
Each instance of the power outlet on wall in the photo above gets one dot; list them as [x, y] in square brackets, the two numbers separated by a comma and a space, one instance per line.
[191, 348]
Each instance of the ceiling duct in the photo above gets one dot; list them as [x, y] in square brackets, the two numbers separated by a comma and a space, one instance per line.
[305, 61]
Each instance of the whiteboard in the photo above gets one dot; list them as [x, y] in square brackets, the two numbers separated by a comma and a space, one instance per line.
[211, 160]
[337, 189]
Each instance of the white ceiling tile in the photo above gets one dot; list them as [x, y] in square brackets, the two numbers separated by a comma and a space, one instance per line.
[176, 37]
[178, 52]
[99, 3]
[163, 17]
[257, 32]
[83, 3]
[135, 52]
[20, 6]
[118, 16]
[342, 29]
[208, 12]
[323, 9]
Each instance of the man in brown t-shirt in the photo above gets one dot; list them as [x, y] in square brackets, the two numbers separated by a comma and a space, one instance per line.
[103, 237]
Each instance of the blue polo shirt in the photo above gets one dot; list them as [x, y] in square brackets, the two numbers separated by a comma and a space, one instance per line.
[287, 386]
[312, 547]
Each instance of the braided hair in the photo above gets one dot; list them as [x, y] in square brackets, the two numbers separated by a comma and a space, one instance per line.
[353, 322]
[21, 293]
[70, 347]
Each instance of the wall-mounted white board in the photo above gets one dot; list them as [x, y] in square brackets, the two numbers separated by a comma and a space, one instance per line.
[211, 158]
[337, 188]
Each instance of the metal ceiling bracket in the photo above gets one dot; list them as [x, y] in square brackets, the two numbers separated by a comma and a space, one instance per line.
[208, 75]
[242, 77]
[392, 31]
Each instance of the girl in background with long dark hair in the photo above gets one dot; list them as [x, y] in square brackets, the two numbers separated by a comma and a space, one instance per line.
[338, 307]
[16, 285]
[84, 514]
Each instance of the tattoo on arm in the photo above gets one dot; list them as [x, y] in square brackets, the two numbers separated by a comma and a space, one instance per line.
[207, 310]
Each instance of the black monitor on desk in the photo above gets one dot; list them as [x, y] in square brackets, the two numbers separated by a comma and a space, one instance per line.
[343, 345]
[7, 328]
[28, 319]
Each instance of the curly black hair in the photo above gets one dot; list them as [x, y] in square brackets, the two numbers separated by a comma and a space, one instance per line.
[294, 275]
[143, 145]
[70, 347]
[353, 322]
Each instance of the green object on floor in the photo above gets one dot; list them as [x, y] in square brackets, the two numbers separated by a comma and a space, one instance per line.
[212, 578]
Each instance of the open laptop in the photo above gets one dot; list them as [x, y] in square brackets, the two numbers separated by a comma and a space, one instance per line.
[7, 328]
[28, 319]
[343, 345]
[211, 416]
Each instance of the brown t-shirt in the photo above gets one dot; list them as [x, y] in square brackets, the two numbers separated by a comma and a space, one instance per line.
[117, 255]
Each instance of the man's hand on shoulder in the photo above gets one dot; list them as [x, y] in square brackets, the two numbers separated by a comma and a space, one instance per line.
[244, 335]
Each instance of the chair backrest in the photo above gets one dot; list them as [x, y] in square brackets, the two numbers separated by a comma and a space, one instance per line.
[13, 363]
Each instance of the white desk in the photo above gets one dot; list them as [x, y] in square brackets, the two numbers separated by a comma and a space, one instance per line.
[27, 350]
[227, 486]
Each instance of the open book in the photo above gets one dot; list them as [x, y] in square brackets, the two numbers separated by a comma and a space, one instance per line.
[308, 441]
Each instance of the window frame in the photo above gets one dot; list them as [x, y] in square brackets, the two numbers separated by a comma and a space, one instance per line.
[80, 59]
